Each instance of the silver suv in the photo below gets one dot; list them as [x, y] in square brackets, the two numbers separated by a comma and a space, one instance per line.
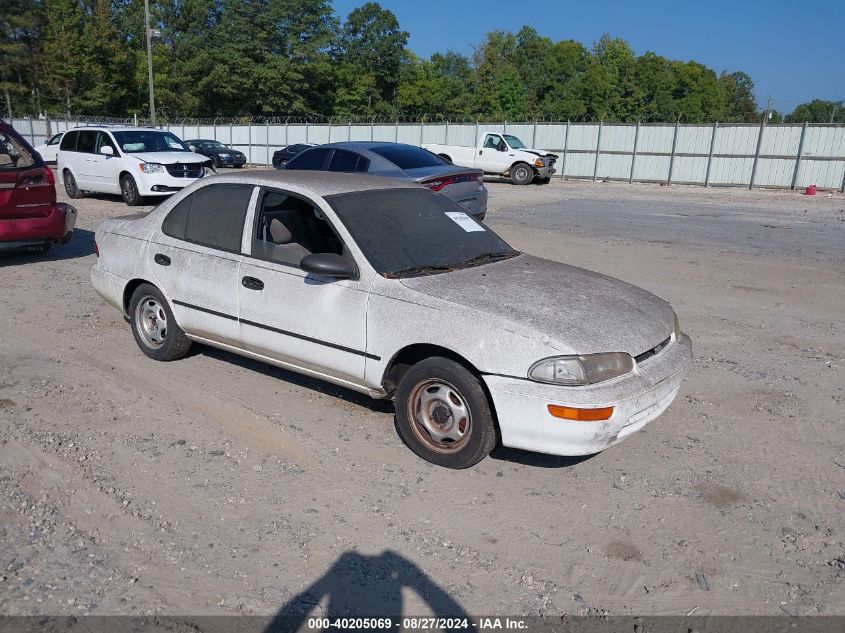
[134, 162]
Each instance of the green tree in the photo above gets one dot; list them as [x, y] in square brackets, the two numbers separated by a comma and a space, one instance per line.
[818, 111]
[370, 49]
[20, 36]
[62, 62]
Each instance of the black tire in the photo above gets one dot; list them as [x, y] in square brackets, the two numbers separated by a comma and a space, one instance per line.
[146, 309]
[129, 191]
[71, 188]
[542, 181]
[522, 174]
[238, 166]
[449, 388]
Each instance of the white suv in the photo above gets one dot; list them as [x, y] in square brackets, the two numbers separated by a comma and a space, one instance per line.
[131, 161]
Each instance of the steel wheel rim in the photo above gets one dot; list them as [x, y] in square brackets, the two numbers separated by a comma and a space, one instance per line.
[70, 184]
[127, 189]
[151, 322]
[521, 173]
[440, 416]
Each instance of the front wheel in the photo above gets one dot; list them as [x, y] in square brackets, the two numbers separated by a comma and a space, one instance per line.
[129, 190]
[154, 327]
[522, 174]
[443, 414]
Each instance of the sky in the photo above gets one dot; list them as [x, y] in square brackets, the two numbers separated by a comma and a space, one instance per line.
[794, 51]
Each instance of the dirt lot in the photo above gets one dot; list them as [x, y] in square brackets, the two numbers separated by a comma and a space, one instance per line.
[219, 485]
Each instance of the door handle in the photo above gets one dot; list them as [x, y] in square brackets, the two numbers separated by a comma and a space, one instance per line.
[252, 283]
[480, 152]
[162, 260]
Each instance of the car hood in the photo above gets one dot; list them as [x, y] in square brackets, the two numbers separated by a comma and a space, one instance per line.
[168, 158]
[579, 311]
[542, 153]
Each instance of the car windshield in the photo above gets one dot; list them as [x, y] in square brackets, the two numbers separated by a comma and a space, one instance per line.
[213, 145]
[149, 141]
[13, 155]
[411, 232]
[514, 142]
[408, 156]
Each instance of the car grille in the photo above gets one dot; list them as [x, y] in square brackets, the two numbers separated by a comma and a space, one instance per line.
[185, 170]
[653, 351]
[550, 162]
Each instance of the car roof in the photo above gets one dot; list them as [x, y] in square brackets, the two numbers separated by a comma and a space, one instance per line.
[368, 144]
[117, 128]
[321, 183]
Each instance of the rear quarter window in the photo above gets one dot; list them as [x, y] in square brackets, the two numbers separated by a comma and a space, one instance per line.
[69, 142]
[13, 153]
[408, 156]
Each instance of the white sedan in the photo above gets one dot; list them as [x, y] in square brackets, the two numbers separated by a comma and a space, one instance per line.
[49, 149]
[387, 288]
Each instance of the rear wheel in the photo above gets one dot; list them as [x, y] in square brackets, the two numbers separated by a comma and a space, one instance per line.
[521, 174]
[443, 415]
[71, 188]
[129, 190]
[154, 327]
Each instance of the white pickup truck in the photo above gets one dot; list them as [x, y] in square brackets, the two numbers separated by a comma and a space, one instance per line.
[502, 155]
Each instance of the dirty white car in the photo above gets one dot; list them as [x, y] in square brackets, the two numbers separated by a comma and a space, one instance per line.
[387, 288]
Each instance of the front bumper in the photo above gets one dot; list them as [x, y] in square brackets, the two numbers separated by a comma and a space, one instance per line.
[161, 184]
[22, 233]
[637, 398]
[545, 172]
[230, 161]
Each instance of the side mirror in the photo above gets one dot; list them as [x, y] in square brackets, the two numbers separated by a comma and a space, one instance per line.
[106, 150]
[192, 148]
[328, 265]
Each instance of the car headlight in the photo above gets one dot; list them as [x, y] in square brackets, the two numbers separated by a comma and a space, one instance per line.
[539, 163]
[224, 155]
[584, 369]
[152, 168]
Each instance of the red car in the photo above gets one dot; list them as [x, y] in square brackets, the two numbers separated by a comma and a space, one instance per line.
[30, 217]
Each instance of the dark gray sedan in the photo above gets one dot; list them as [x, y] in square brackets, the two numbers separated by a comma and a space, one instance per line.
[398, 160]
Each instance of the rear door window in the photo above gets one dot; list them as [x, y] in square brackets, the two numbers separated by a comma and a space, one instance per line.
[87, 141]
[312, 159]
[345, 161]
[213, 216]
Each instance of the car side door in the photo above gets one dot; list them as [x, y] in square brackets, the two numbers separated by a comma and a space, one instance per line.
[488, 156]
[313, 324]
[84, 166]
[196, 259]
[106, 168]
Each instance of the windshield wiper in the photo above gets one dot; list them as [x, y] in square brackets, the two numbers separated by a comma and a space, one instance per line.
[417, 270]
[483, 258]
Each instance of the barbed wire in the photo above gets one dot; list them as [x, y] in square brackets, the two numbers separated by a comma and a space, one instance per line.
[388, 120]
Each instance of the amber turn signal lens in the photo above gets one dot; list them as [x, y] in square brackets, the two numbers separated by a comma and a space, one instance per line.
[582, 415]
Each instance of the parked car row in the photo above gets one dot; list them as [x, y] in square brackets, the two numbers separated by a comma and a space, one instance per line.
[313, 271]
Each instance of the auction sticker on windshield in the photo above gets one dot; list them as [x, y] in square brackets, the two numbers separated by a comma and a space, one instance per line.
[464, 221]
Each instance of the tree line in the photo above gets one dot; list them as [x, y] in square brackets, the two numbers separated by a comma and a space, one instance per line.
[231, 58]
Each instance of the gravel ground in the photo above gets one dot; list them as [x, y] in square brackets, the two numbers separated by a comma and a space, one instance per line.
[216, 485]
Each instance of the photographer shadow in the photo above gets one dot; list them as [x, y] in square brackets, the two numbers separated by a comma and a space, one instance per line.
[358, 586]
